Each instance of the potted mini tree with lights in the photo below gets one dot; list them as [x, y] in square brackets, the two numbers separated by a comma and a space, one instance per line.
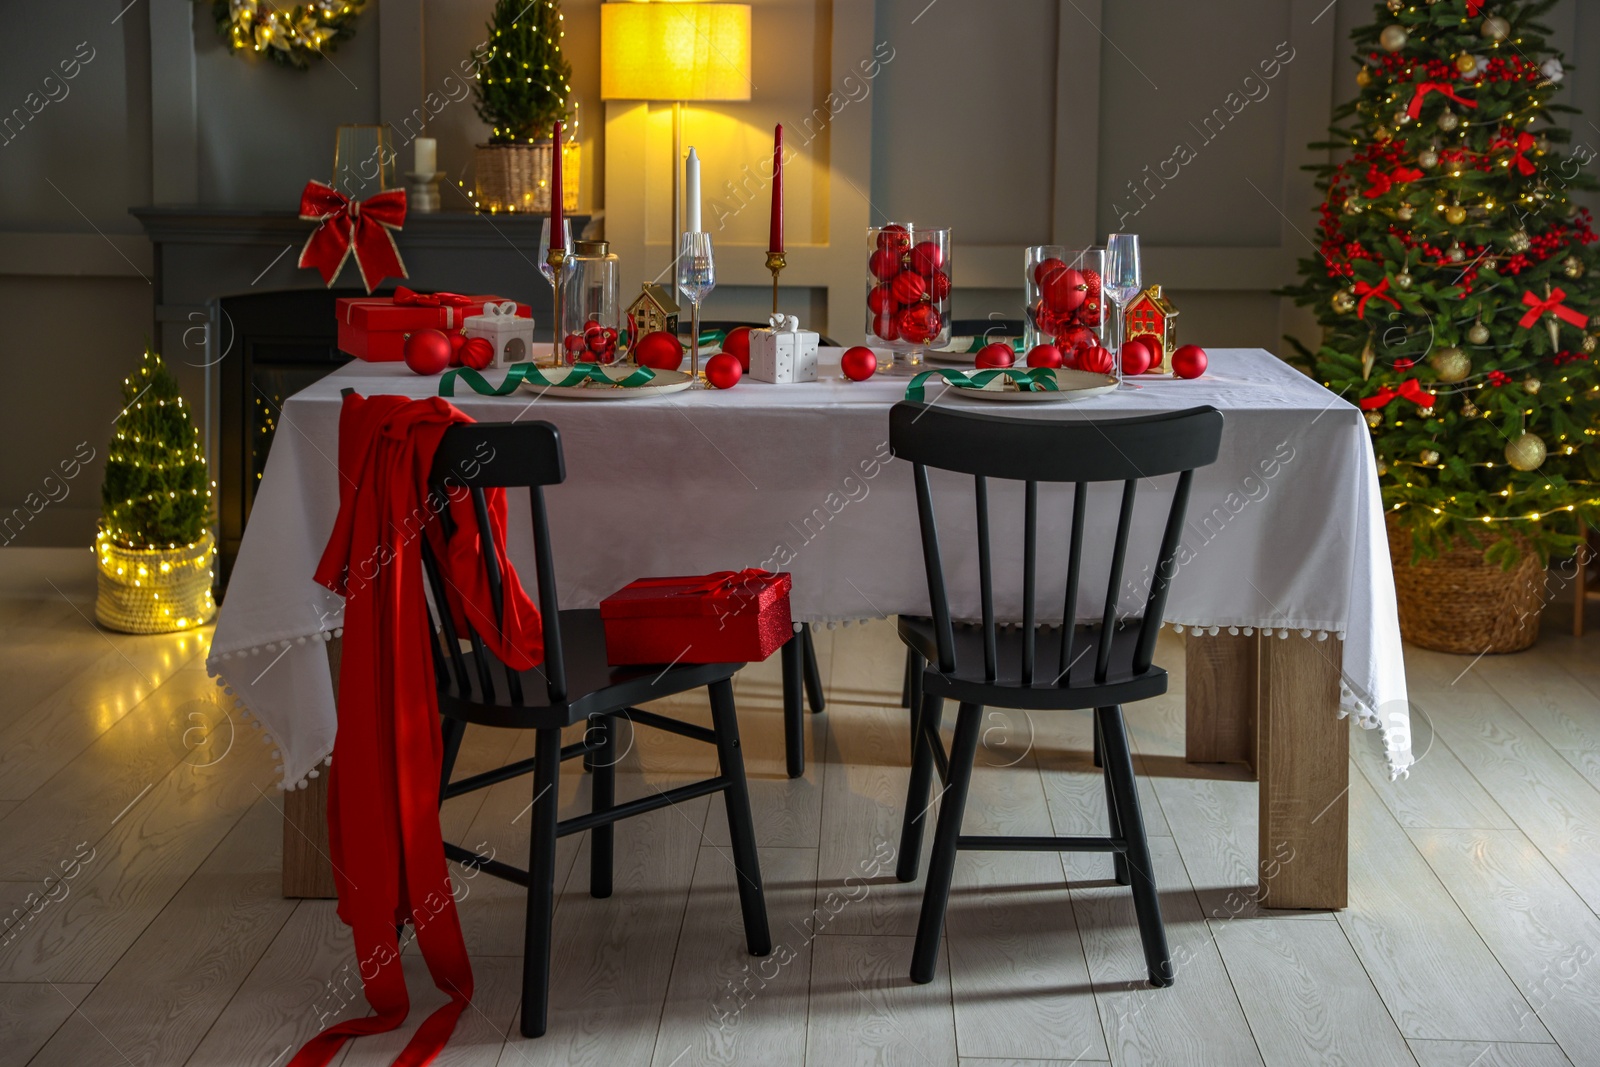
[1456, 292]
[155, 547]
[523, 88]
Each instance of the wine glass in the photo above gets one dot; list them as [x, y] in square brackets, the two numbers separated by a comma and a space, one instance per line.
[1122, 280]
[697, 276]
[550, 276]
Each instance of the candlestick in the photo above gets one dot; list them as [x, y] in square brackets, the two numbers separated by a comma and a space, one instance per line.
[775, 263]
[556, 260]
[691, 192]
[426, 155]
[557, 196]
[775, 238]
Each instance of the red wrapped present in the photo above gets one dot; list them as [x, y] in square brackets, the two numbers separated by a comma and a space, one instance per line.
[726, 617]
[374, 328]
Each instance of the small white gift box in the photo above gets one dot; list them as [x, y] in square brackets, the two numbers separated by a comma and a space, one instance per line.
[783, 353]
[499, 324]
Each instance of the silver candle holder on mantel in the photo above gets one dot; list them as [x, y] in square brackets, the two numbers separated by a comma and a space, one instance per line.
[422, 192]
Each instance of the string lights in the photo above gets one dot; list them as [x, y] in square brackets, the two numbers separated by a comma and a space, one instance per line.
[291, 34]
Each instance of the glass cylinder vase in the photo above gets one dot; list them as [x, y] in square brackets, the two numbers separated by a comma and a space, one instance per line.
[590, 317]
[1067, 307]
[908, 291]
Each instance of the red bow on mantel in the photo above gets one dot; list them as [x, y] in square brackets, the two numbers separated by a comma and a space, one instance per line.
[1424, 88]
[1553, 304]
[1367, 292]
[1410, 389]
[359, 228]
[1380, 183]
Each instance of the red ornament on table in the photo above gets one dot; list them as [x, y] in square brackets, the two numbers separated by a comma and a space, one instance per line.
[1136, 358]
[1045, 356]
[477, 353]
[1072, 341]
[918, 323]
[908, 288]
[659, 350]
[723, 370]
[894, 238]
[737, 343]
[456, 341]
[1189, 361]
[1096, 360]
[995, 355]
[859, 363]
[880, 301]
[428, 351]
[573, 346]
[884, 264]
[927, 257]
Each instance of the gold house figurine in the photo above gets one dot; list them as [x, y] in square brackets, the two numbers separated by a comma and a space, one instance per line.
[1150, 317]
[652, 310]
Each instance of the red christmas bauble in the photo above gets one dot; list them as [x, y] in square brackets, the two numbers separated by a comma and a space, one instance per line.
[572, 343]
[477, 353]
[908, 288]
[884, 264]
[1050, 322]
[737, 345]
[880, 301]
[939, 285]
[1073, 340]
[1091, 278]
[1136, 357]
[1045, 268]
[1189, 361]
[1065, 290]
[996, 354]
[456, 341]
[859, 363]
[428, 351]
[723, 370]
[927, 257]
[894, 238]
[659, 350]
[1096, 360]
[594, 339]
[1089, 313]
[919, 323]
[1045, 356]
[887, 325]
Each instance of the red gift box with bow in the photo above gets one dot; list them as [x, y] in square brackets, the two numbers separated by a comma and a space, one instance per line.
[374, 328]
[725, 617]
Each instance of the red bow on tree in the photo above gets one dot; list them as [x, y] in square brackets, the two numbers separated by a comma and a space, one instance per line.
[1520, 159]
[1367, 292]
[1410, 389]
[1552, 304]
[1424, 88]
[1474, 6]
[1380, 183]
[359, 228]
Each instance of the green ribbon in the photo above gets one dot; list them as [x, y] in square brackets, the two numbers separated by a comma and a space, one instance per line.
[519, 373]
[713, 337]
[1032, 380]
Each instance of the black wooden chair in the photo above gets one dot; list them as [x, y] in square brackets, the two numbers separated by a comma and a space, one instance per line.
[574, 684]
[1039, 667]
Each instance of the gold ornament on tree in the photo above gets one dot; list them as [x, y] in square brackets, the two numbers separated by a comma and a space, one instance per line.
[1589, 343]
[1456, 253]
[1429, 457]
[1448, 120]
[1572, 267]
[1404, 280]
[1495, 28]
[1428, 158]
[1527, 452]
[1363, 77]
[1519, 241]
[1469, 409]
[1344, 301]
[1478, 333]
[1393, 38]
[1374, 419]
[1451, 364]
[1465, 63]
[1405, 212]
[1455, 214]
[1530, 386]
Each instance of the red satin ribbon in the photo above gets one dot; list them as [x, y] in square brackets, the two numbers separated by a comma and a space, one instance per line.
[412, 298]
[1367, 292]
[359, 228]
[1552, 304]
[1380, 183]
[1424, 88]
[1474, 6]
[1520, 160]
[1410, 389]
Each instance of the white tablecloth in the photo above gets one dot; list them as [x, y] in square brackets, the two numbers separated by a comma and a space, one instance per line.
[1285, 531]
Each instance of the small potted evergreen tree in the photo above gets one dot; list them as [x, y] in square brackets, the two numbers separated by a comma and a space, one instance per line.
[523, 88]
[154, 547]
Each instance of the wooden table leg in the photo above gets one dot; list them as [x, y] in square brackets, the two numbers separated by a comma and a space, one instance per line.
[307, 871]
[1220, 705]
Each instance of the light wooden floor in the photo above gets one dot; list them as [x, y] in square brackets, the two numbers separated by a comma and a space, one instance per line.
[139, 845]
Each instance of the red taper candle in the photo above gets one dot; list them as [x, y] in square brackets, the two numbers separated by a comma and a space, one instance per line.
[775, 240]
[558, 238]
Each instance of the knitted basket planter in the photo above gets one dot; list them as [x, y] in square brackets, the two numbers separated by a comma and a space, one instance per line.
[154, 590]
[1459, 603]
[516, 177]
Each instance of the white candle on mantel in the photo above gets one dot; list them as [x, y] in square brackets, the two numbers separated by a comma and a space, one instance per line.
[691, 191]
[427, 155]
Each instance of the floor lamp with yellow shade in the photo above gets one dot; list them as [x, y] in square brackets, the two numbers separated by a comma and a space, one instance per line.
[679, 53]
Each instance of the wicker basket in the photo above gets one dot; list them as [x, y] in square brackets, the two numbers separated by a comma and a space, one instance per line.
[516, 177]
[1456, 602]
[154, 590]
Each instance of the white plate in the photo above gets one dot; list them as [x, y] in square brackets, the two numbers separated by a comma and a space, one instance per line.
[665, 382]
[1070, 385]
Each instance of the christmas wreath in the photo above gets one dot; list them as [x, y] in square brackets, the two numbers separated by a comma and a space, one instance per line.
[292, 34]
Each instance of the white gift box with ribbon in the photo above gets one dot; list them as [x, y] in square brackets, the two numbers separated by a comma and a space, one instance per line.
[783, 352]
[511, 336]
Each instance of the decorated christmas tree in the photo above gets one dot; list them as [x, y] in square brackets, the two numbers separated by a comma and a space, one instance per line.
[522, 86]
[1455, 284]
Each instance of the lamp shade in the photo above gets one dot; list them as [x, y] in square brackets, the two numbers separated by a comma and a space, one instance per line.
[674, 51]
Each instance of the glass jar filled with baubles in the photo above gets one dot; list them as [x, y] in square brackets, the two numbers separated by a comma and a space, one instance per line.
[1066, 306]
[908, 292]
[590, 318]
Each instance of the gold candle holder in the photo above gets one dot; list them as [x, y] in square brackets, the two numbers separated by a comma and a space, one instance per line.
[775, 263]
[556, 259]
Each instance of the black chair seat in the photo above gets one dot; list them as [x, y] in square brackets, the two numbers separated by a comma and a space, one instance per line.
[593, 686]
[1048, 690]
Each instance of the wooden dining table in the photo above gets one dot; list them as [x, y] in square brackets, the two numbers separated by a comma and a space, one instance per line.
[1284, 597]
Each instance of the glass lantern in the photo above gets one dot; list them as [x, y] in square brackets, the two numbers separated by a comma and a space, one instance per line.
[1067, 307]
[908, 292]
[590, 317]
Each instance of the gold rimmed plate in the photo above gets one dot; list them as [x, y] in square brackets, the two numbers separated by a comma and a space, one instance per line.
[1070, 385]
[664, 383]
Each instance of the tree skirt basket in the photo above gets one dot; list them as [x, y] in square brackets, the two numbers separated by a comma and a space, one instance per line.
[516, 177]
[1458, 603]
[154, 590]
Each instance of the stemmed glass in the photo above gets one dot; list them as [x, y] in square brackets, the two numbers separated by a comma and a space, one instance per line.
[697, 276]
[1121, 282]
[550, 276]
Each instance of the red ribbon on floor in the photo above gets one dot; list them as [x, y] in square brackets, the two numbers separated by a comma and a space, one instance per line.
[1410, 389]
[1367, 292]
[1552, 304]
[360, 228]
[1424, 88]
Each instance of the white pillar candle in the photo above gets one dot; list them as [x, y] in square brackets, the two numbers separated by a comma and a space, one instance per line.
[427, 155]
[691, 190]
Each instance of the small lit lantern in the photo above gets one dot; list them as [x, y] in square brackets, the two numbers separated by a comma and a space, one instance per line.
[1149, 317]
[652, 310]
